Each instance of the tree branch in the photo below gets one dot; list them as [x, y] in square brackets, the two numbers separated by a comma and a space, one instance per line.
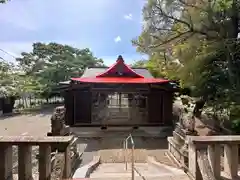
[190, 26]
[190, 5]
[173, 18]
[169, 40]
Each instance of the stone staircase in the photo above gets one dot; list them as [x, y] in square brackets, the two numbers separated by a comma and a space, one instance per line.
[111, 166]
[150, 161]
[145, 170]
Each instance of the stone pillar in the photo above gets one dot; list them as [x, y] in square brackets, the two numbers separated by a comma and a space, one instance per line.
[6, 162]
[214, 157]
[45, 162]
[68, 162]
[231, 160]
[192, 162]
[24, 162]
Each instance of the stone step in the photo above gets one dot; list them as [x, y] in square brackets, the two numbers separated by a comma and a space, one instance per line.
[146, 170]
[119, 169]
[145, 178]
[120, 155]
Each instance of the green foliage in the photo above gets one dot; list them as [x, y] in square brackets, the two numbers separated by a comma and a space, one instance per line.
[52, 63]
[8, 79]
[3, 1]
[235, 117]
[139, 64]
[203, 36]
[39, 72]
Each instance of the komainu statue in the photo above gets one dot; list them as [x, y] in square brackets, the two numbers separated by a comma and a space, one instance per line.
[58, 122]
[58, 128]
[188, 122]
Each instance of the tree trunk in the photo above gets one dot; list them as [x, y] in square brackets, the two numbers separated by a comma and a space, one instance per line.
[25, 102]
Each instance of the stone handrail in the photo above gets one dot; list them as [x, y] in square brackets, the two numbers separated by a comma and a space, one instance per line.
[204, 161]
[25, 144]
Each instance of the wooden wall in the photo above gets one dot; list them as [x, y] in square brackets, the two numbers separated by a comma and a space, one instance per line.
[78, 104]
[160, 107]
[168, 108]
[68, 102]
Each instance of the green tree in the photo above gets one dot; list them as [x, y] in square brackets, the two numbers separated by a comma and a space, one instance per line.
[8, 79]
[52, 63]
[3, 1]
[139, 64]
[203, 36]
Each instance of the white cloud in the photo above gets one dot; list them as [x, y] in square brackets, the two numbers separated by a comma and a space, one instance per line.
[128, 16]
[117, 39]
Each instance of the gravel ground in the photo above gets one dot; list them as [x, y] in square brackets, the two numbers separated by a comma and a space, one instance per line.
[37, 124]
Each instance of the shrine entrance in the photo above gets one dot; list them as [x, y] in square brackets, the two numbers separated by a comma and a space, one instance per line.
[119, 108]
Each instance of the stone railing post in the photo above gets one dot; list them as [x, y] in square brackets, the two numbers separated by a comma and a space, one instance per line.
[6, 165]
[25, 156]
[210, 161]
[24, 162]
[68, 162]
[44, 162]
[214, 157]
[231, 160]
[192, 162]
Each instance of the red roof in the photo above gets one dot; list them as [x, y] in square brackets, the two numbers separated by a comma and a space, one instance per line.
[116, 80]
[120, 73]
[117, 67]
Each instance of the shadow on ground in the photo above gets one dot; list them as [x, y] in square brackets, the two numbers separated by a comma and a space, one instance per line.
[95, 144]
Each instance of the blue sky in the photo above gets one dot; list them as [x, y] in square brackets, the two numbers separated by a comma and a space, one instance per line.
[104, 26]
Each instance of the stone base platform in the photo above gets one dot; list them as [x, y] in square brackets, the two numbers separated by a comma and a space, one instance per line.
[92, 132]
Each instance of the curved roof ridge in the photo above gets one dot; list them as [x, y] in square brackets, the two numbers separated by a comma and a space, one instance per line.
[114, 68]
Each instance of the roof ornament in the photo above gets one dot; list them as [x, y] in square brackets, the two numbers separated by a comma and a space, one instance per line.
[120, 58]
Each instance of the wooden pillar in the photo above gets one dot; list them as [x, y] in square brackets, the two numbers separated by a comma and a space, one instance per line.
[120, 99]
[24, 162]
[74, 105]
[214, 157]
[45, 162]
[231, 160]
[6, 162]
[68, 103]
